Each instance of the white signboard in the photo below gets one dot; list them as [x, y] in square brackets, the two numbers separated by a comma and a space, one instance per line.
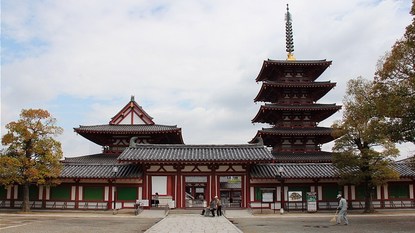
[267, 197]
[295, 196]
[311, 202]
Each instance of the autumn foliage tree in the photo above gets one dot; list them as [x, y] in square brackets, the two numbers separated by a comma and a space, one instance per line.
[32, 155]
[363, 152]
[395, 87]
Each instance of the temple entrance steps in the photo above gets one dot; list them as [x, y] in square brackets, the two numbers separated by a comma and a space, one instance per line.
[186, 211]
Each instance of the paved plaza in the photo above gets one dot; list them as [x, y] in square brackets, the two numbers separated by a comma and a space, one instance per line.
[236, 221]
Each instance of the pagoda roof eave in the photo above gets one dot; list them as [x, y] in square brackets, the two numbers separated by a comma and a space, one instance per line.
[268, 65]
[270, 86]
[328, 109]
[297, 131]
[308, 107]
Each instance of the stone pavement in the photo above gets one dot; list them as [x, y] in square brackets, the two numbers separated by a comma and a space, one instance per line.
[186, 223]
[194, 223]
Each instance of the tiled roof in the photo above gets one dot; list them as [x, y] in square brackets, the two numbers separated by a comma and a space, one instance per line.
[307, 107]
[128, 171]
[141, 128]
[271, 69]
[92, 159]
[302, 62]
[196, 153]
[312, 170]
[404, 169]
[298, 131]
[300, 85]
[319, 157]
[295, 171]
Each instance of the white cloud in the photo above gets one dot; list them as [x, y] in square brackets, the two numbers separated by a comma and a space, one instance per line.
[188, 63]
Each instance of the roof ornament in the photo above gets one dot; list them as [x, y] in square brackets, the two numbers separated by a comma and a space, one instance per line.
[133, 142]
[289, 36]
[132, 102]
[258, 141]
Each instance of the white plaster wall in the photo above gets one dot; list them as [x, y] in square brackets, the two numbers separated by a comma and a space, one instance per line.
[385, 191]
[320, 192]
[40, 193]
[80, 191]
[278, 193]
[9, 192]
[47, 193]
[379, 191]
[106, 193]
[73, 193]
[16, 190]
[285, 193]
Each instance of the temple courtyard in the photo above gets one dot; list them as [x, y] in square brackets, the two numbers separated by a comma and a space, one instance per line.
[236, 221]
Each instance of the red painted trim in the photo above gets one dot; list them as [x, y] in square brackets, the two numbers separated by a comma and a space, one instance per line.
[169, 186]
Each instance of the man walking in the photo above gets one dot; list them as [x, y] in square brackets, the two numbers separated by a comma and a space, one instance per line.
[342, 208]
[219, 206]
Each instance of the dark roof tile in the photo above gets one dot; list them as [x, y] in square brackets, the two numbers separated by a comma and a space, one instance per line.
[126, 128]
[100, 171]
[200, 153]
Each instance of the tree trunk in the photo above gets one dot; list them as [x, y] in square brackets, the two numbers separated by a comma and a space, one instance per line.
[368, 199]
[26, 204]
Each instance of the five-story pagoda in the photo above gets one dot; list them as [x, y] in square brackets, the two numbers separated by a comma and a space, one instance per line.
[290, 93]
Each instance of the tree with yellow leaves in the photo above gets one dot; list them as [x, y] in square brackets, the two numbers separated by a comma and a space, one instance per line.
[32, 155]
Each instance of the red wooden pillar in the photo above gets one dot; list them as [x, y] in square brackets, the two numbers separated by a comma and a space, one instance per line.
[77, 193]
[382, 196]
[12, 196]
[282, 194]
[247, 188]
[413, 187]
[180, 197]
[109, 205]
[316, 190]
[213, 181]
[44, 189]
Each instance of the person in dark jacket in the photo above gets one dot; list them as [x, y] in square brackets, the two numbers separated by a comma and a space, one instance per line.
[219, 206]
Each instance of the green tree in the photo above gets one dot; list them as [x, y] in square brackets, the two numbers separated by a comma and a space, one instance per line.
[32, 154]
[363, 152]
[395, 87]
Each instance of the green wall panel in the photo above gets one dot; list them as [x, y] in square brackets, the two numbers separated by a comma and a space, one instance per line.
[93, 193]
[127, 193]
[3, 192]
[398, 191]
[60, 193]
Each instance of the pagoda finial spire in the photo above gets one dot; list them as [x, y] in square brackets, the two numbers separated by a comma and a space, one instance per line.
[289, 35]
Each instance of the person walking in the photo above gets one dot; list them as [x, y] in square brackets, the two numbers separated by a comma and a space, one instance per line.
[156, 200]
[342, 208]
[213, 206]
[219, 206]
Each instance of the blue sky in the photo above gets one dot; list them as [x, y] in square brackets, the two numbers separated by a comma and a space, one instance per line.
[188, 63]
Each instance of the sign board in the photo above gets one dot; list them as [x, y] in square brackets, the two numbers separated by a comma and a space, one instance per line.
[295, 196]
[311, 202]
[267, 197]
